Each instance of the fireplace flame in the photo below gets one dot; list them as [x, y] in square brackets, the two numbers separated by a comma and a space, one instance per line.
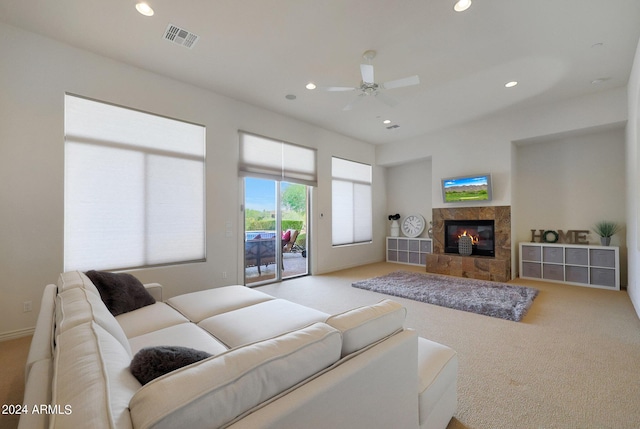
[474, 238]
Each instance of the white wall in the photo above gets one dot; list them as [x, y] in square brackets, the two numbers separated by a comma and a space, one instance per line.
[633, 178]
[35, 72]
[409, 191]
[571, 183]
[468, 149]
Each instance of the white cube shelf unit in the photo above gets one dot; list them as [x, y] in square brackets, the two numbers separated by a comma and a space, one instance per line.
[405, 250]
[575, 264]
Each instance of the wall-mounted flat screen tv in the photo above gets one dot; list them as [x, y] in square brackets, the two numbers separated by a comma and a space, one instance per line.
[467, 189]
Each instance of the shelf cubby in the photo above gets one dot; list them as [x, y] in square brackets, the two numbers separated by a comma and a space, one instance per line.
[575, 264]
[406, 250]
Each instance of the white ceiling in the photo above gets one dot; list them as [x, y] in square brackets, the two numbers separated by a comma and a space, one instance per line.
[259, 51]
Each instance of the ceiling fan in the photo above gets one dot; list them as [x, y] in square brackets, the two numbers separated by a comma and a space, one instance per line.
[368, 86]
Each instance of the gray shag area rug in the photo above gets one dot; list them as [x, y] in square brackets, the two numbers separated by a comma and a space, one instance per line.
[477, 296]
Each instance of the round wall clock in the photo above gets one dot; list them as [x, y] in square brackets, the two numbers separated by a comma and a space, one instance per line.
[413, 225]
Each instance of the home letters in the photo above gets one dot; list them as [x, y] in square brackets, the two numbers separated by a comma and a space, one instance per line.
[572, 236]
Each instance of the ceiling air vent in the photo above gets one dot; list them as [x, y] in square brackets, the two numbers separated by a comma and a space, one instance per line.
[180, 36]
[392, 127]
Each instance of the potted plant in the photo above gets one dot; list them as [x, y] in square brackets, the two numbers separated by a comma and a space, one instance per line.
[606, 229]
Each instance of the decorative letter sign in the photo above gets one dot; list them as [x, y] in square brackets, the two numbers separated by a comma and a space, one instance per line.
[538, 236]
[572, 236]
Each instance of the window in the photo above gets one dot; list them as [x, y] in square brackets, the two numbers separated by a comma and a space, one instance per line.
[134, 188]
[351, 202]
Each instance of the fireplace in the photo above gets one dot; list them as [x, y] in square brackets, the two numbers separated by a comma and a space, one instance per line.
[496, 268]
[481, 232]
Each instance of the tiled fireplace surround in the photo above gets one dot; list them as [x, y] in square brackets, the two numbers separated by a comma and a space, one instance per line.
[476, 267]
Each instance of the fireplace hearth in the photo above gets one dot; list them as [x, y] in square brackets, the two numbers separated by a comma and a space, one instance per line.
[482, 233]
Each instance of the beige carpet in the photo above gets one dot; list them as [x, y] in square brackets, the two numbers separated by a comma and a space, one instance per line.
[572, 362]
[13, 356]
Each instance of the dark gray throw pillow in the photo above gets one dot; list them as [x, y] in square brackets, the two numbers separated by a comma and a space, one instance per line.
[152, 362]
[120, 292]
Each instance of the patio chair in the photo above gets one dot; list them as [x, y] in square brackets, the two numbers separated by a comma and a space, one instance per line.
[292, 235]
[288, 246]
[259, 251]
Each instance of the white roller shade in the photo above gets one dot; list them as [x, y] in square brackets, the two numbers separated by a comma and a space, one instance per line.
[276, 160]
[352, 204]
[134, 188]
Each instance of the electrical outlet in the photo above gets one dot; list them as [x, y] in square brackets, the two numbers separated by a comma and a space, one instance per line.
[27, 306]
[224, 274]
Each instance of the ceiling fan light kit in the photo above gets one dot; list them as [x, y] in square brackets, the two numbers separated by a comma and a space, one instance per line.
[368, 86]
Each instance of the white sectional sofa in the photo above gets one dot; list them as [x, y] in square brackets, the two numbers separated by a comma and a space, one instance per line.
[274, 364]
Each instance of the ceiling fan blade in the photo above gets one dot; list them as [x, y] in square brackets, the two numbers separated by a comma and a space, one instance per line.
[354, 102]
[386, 99]
[367, 73]
[336, 88]
[399, 83]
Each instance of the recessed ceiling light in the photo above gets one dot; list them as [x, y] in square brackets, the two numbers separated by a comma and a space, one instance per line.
[386, 121]
[510, 84]
[462, 5]
[311, 85]
[144, 9]
[599, 80]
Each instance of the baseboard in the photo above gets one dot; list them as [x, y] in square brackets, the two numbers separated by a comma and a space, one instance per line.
[19, 333]
[346, 267]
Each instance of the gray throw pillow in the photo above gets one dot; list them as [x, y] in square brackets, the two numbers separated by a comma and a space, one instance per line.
[152, 362]
[120, 292]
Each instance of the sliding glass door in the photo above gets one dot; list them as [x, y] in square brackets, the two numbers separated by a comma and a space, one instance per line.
[275, 237]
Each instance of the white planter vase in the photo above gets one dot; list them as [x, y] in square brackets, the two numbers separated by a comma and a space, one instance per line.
[395, 229]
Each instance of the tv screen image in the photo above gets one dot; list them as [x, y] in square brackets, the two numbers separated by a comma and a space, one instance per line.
[467, 188]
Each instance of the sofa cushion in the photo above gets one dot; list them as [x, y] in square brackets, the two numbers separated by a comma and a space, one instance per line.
[37, 391]
[437, 376]
[184, 335]
[216, 390]
[121, 292]
[75, 279]
[77, 306]
[153, 362]
[260, 321]
[92, 380]
[155, 290]
[149, 318]
[197, 306]
[42, 343]
[363, 326]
